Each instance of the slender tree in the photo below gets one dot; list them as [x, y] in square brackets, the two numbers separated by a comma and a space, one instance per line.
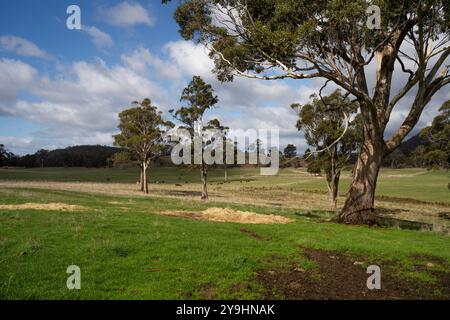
[142, 128]
[333, 136]
[223, 132]
[337, 41]
[198, 97]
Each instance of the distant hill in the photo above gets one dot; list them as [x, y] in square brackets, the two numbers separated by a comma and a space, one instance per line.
[78, 156]
[81, 156]
[410, 145]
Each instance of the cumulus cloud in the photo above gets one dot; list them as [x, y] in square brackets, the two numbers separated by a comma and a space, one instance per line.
[127, 14]
[22, 47]
[88, 96]
[99, 38]
[15, 76]
[142, 59]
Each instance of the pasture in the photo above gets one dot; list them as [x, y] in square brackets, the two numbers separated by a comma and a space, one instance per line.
[127, 249]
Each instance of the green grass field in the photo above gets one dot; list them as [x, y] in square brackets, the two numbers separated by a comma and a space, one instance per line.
[127, 251]
[404, 183]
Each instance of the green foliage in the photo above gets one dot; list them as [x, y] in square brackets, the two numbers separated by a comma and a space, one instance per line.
[282, 29]
[215, 124]
[7, 158]
[198, 97]
[307, 154]
[290, 151]
[121, 159]
[315, 167]
[94, 156]
[3, 155]
[328, 128]
[221, 132]
[322, 121]
[323, 124]
[396, 159]
[142, 128]
[436, 152]
[436, 159]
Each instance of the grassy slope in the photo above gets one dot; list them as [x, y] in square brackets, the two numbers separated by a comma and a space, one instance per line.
[119, 246]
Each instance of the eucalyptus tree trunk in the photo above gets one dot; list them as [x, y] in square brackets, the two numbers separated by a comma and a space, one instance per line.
[333, 174]
[226, 172]
[204, 177]
[333, 189]
[141, 178]
[359, 208]
[144, 177]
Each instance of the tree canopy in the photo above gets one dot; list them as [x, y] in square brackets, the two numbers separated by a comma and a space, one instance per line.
[198, 97]
[437, 148]
[142, 128]
[290, 151]
[334, 136]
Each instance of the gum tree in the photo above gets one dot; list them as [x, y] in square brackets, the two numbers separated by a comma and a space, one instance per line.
[330, 39]
[437, 137]
[223, 132]
[333, 136]
[198, 97]
[142, 128]
[290, 151]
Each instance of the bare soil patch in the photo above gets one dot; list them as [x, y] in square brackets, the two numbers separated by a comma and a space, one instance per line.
[42, 206]
[338, 277]
[229, 215]
[254, 234]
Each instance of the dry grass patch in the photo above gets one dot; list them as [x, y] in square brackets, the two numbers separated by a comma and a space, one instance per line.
[229, 215]
[42, 206]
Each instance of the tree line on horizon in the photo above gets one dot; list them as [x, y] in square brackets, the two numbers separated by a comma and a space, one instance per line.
[429, 149]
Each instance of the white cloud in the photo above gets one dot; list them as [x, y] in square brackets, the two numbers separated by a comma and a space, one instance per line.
[80, 103]
[126, 14]
[22, 47]
[191, 59]
[22, 145]
[141, 59]
[99, 38]
[14, 77]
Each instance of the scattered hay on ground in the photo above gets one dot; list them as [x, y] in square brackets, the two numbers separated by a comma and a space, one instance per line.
[229, 215]
[42, 206]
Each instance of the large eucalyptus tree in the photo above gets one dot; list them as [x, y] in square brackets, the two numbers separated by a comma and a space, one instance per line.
[142, 129]
[330, 39]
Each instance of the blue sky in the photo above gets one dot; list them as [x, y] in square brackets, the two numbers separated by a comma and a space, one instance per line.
[61, 87]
